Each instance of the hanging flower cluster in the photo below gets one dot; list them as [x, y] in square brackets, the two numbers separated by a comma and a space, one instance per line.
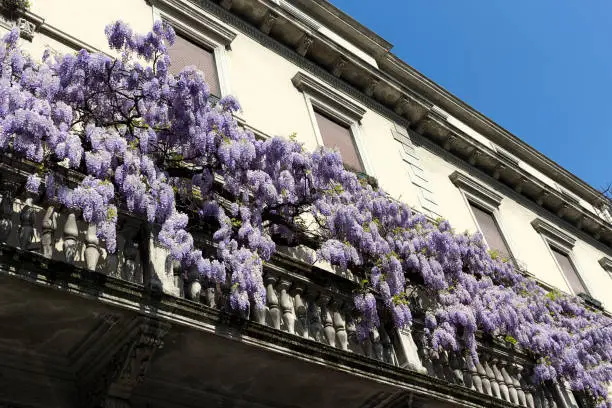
[152, 143]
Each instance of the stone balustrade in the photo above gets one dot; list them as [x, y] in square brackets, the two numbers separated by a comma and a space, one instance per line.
[314, 305]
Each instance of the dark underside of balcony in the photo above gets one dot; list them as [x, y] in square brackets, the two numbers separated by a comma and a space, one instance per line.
[73, 338]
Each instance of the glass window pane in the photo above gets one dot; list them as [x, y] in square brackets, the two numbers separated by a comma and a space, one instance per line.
[184, 53]
[569, 271]
[489, 229]
[337, 136]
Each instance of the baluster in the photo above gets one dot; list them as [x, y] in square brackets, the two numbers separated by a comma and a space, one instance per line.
[339, 325]
[351, 332]
[512, 395]
[286, 304]
[129, 270]
[468, 379]
[424, 352]
[550, 399]
[387, 346]
[327, 320]
[177, 272]
[300, 311]
[92, 251]
[564, 400]
[272, 301]
[502, 377]
[6, 215]
[26, 226]
[315, 326]
[377, 348]
[538, 397]
[476, 376]
[529, 392]
[48, 230]
[71, 233]
[437, 364]
[498, 386]
[518, 383]
[456, 363]
[482, 372]
[210, 294]
[194, 287]
[444, 364]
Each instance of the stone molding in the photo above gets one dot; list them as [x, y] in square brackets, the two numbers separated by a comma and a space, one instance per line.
[606, 263]
[417, 174]
[325, 93]
[476, 191]
[554, 234]
[112, 360]
[177, 11]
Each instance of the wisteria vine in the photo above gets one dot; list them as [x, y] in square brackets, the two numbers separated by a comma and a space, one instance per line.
[154, 144]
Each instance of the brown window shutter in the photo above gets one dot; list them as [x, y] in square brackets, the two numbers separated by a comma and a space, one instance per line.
[490, 230]
[339, 137]
[184, 53]
[569, 271]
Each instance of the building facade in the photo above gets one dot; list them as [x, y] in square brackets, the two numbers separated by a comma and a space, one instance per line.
[133, 333]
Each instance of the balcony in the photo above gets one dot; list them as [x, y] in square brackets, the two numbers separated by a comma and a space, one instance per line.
[84, 328]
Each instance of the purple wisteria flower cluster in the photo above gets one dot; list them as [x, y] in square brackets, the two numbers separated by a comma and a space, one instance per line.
[153, 144]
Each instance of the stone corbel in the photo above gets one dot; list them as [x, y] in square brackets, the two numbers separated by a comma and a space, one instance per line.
[520, 185]
[473, 160]
[542, 198]
[339, 66]
[304, 45]
[26, 28]
[113, 386]
[449, 142]
[497, 172]
[371, 86]
[268, 22]
[562, 210]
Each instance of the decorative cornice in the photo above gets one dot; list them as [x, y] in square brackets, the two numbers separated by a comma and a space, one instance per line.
[554, 234]
[476, 191]
[177, 11]
[325, 93]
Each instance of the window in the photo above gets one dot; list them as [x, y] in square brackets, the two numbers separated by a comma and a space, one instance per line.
[184, 53]
[335, 120]
[201, 40]
[339, 136]
[484, 204]
[490, 230]
[561, 245]
[574, 281]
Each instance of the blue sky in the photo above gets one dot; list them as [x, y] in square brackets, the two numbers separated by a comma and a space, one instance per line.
[540, 68]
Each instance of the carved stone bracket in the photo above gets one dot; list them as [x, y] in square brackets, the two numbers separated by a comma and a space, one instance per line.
[339, 66]
[371, 86]
[304, 44]
[268, 22]
[117, 379]
[26, 28]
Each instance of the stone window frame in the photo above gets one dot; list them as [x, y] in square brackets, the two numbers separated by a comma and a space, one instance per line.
[564, 243]
[329, 102]
[195, 25]
[477, 194]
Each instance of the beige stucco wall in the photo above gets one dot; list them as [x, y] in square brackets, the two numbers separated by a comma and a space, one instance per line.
[261, 79]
